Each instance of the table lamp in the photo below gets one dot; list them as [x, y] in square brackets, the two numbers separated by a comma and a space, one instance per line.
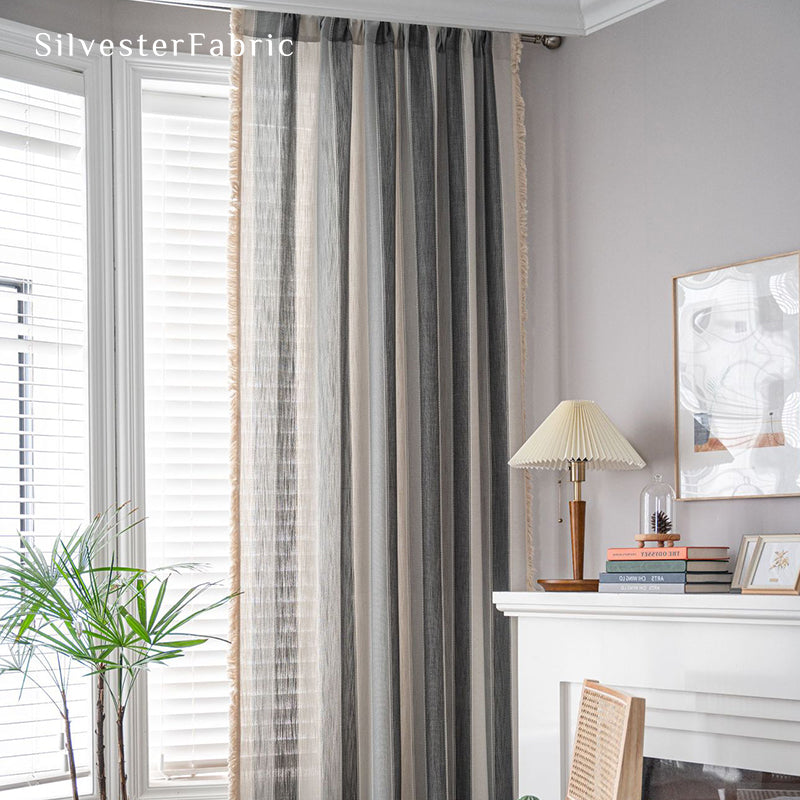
[577, 434]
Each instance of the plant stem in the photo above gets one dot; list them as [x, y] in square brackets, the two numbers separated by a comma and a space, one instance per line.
[100, 735]
[73, 774]
[123, 777]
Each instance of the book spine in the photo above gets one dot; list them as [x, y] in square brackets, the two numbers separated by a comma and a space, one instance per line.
[644, 577]
[709, 565]
[709, 577]
[648, 553]
[708, 588]
[646, 566]
[642, 588]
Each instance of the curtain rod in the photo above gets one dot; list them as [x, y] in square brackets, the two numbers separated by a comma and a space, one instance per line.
[550, 41]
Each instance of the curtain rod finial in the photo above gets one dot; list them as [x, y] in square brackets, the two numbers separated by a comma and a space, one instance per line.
[549, 41]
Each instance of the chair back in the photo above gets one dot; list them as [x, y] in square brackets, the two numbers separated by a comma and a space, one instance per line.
[607, 756]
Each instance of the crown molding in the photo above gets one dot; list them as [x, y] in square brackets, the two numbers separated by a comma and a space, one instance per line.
[599, 14]
[562, 17]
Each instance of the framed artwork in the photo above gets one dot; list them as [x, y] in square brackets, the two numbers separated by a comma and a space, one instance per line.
[743, 559]
[737, 380]
[775, 566]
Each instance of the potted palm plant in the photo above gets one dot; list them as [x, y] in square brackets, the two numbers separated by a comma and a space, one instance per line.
[74, 607]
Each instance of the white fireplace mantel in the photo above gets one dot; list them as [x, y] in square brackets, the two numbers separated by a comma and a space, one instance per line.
[720, 675]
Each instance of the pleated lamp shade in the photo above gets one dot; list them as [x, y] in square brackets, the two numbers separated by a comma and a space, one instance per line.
[577, 430]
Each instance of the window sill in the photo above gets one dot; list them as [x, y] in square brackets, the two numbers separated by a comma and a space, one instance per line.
[216, 792]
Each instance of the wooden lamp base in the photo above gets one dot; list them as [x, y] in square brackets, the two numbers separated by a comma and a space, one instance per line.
[577, 583]
[568, 585]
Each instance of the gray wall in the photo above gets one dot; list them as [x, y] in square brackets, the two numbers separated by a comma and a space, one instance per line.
[116, 19]
[664, 144]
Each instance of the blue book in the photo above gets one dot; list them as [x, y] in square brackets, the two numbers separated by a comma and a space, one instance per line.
[642, 577]
[720, 565]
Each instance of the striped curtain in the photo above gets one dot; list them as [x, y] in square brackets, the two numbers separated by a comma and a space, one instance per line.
[377, 305]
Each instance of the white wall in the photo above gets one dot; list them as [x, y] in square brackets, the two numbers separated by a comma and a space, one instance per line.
[664, 144]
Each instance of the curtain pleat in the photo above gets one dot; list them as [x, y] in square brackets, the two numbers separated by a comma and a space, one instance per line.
[489, 188]
[284, 574]
[380, 132]
[420, 110]
[268, 534]
[359, 403]
[339, 750]
[452, 185]
[373, 268]
[413, 757]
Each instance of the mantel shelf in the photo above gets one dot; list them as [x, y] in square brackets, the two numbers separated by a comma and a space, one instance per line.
[719, 608]
[718, 673]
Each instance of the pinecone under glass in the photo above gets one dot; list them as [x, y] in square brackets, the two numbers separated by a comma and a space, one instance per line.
[660, 522]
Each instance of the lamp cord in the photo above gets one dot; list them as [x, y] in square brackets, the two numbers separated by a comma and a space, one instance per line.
[560, 482]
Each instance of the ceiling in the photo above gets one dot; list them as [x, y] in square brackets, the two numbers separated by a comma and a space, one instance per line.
[565, 17]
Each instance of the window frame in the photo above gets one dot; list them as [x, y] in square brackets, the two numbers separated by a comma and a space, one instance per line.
[128, 73]
[112, 91]
[18, 61]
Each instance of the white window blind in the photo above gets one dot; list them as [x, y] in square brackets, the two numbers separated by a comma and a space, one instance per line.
[185, 197]
[44, 475]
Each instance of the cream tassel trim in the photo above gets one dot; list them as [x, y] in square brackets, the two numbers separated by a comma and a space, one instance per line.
[520, 138]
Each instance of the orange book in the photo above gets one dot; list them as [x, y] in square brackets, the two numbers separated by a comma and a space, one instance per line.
[666, 553]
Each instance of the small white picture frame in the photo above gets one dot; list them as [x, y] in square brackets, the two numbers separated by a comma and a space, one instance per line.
[775, 566]
[747, 548]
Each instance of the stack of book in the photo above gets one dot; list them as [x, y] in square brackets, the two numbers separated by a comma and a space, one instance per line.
[667, 570]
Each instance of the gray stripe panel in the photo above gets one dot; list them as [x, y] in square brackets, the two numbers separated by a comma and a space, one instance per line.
[450, 80]
[285, 758]
[380, 144]
[335, 112]
[491, 209]
[420, 106]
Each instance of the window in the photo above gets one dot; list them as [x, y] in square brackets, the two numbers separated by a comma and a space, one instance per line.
[185, 198]
[104, 400]
[43, 385]
[175, 191]
[43, 288]
[48, 288]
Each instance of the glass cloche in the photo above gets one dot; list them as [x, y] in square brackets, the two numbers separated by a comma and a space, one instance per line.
[657, 504]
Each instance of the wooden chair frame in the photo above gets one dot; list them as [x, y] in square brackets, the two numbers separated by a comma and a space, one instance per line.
[607, 754]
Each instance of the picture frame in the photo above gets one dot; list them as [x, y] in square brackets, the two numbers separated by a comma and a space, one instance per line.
[775, 566]
[736, 332]
[747, 548]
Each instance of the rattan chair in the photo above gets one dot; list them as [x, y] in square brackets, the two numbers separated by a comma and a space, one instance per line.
[607, 757]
